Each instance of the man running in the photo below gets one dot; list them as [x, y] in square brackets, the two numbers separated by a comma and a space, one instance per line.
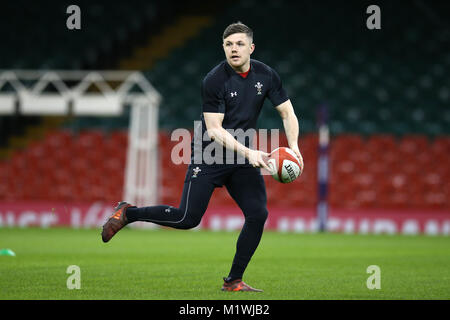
[233, 94]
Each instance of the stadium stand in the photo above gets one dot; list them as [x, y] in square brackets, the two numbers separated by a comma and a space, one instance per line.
[388, 93]
[380, 172]
[101, 40]
[108, 33]
[368, 88]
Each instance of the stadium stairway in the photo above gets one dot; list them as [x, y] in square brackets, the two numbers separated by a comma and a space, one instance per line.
[160, 45]
[31, 133]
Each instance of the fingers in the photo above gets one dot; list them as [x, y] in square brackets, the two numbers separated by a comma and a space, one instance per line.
[297, 152]
[262, 165]
[262, 161]
[265, 166]
[258, 159]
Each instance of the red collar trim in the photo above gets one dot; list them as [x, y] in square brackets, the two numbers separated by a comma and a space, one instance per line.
[244, 74]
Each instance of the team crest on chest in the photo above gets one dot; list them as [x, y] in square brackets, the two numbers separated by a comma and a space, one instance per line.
[258, 87]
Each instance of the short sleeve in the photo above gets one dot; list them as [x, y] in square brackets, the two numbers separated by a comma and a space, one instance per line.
[276, 94]
[212, 96]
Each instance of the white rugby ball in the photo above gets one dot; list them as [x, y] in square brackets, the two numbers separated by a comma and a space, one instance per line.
[285, 165]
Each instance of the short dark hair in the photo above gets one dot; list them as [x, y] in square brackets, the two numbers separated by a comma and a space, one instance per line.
[237, 27]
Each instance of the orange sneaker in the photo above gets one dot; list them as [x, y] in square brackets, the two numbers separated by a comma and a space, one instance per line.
[237, 285]
[116, 221]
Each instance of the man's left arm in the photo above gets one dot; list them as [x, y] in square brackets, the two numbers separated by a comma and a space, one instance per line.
[290, 123]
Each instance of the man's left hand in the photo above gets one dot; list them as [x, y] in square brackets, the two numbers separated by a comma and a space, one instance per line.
[297, 153]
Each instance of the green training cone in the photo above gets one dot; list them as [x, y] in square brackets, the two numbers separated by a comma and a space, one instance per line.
[7, 252]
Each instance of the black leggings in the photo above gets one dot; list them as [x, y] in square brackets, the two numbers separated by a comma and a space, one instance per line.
[246, 186]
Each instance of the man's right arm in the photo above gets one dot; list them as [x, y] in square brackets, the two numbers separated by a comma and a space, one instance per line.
[217, 133]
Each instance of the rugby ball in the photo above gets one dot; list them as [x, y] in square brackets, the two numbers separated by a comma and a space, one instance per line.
[284, 164]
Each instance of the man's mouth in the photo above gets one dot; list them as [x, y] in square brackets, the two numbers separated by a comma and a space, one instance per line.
[235, 57]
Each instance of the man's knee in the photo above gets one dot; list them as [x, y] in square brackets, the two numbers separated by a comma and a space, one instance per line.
[189, 223]
[258, 216]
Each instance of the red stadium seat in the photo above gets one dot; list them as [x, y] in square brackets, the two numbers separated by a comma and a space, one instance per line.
[58, 138]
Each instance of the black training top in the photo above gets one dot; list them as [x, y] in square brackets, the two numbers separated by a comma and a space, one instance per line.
[240, 100]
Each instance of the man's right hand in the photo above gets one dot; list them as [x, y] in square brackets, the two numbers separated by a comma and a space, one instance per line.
[258, 159]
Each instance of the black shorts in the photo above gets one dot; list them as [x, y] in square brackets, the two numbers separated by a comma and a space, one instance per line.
[244, 183]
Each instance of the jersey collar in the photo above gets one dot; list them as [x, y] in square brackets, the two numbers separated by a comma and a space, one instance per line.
[232, 72]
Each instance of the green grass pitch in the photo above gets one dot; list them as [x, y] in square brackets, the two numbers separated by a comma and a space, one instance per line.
[176, 264]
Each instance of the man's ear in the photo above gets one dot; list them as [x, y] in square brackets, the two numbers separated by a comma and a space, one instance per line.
[252, 48]
[224, 48]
